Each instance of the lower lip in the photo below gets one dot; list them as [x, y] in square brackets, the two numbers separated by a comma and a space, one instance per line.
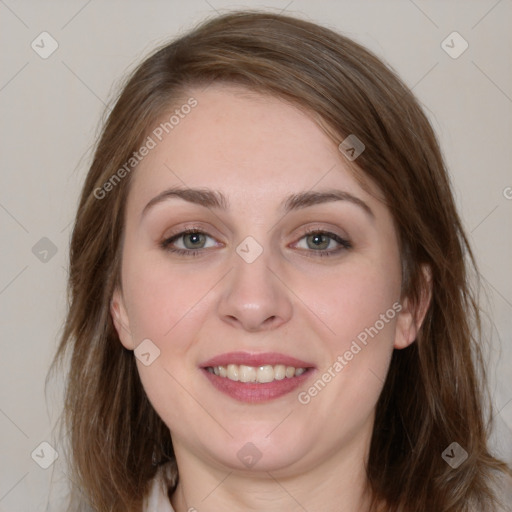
[254, 392]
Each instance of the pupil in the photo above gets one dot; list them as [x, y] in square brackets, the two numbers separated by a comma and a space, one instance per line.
[317, 241]
[193, 238]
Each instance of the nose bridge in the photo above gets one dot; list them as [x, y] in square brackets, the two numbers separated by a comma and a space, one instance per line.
[253, 297]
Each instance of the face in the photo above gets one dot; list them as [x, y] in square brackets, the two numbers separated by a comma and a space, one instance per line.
[265, 310]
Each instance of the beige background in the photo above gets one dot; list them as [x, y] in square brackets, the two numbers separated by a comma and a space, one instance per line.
[51, 111]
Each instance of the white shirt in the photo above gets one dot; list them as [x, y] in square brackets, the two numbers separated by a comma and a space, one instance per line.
[157, 500]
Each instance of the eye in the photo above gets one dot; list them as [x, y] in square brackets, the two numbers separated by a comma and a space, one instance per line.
[323, 243]
[193, 241]
[188, 242]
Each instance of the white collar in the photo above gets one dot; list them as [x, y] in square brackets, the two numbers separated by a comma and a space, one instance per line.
[157, 500]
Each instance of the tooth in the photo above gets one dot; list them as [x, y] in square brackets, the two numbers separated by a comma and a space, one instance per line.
[279, 371]
[262, 374]
[290, 371]
[232, 372]
[265, 374]
[247, 373]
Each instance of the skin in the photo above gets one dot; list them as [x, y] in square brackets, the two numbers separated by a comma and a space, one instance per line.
[257, 151]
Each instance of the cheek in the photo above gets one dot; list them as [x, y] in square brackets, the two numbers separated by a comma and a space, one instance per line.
[357, 298]
[160, 299]
[168, 306]
[359, 304]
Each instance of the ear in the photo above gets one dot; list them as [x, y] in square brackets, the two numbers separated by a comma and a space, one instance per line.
[121, 320]
[411, 315]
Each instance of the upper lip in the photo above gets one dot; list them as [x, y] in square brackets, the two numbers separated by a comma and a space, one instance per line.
[261, 359]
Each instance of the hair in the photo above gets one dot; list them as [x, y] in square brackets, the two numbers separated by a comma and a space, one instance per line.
[435, 389]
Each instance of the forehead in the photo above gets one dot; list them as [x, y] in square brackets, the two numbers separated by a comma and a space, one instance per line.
[245, 143]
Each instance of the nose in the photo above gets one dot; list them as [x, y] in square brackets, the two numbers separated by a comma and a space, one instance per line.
[254, 298]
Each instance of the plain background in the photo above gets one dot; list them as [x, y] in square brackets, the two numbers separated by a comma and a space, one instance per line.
[51, 113]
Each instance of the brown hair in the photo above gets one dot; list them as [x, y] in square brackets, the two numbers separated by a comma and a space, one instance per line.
[433, 392]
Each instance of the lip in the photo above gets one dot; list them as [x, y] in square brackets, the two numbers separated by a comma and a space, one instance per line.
[251, 392]
[248, 359]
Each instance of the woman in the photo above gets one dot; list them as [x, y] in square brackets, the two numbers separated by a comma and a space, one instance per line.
[270, 307]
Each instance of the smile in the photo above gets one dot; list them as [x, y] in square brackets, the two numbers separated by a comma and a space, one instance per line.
[256, 377]
[262, 374]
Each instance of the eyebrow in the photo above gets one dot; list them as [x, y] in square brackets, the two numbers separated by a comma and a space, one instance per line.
[215, 199]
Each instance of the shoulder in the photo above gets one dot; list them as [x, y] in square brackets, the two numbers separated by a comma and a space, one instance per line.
[157, 500]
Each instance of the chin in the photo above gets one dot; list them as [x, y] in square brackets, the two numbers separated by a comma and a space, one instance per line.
[249, 450]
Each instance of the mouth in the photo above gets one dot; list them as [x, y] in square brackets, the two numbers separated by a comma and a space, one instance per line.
[262, 374]
[256, 377]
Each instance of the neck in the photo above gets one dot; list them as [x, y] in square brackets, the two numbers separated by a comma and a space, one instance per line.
[338, 484]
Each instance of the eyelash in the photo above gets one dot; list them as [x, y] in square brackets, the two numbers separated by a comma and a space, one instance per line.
[166, 244]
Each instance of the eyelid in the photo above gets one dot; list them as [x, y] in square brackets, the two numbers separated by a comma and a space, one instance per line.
[191, 227]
